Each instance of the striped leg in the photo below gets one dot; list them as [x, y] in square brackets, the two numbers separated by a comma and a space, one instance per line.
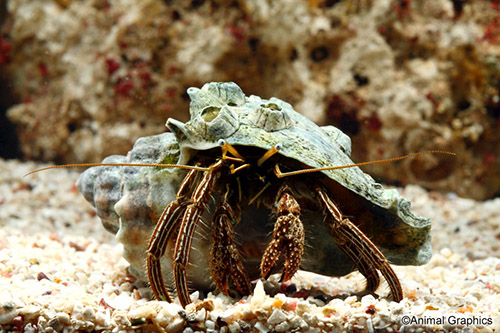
[365, 255]
[167, 224]
[192, 214]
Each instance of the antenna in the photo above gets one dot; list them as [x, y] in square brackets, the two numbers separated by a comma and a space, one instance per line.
[188, 167]
[280, 174]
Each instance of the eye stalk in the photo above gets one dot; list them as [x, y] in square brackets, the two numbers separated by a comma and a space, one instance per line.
[276, 148]
[226, 147]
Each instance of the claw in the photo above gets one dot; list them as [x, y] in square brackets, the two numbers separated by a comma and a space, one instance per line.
[288, 237]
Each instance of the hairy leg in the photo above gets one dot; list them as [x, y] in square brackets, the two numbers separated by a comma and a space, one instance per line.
[199, 201]
[167, 224]
[365, 255]
[288, 236]
[225, 259]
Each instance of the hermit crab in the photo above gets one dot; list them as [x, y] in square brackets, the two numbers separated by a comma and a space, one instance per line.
[246, 188]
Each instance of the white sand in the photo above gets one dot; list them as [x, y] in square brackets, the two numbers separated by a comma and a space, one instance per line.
[61, 271]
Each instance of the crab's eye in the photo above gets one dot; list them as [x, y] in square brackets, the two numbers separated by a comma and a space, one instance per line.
[221, 142]
[278, 146]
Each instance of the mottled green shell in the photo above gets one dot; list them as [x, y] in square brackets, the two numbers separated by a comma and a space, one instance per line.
[222, 111]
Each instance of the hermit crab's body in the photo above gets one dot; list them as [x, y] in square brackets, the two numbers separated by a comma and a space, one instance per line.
[217, 229]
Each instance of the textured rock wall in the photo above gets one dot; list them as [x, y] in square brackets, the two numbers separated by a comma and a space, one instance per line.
[398, 76]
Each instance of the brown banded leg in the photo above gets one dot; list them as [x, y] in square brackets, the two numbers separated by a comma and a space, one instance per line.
[199, 200]
[167, 224]
[288, 236]
[225, 259]
[365, 255]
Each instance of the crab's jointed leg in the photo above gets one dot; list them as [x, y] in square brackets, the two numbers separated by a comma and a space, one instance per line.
[199, 201]
[288, 236]
[167, 224]
[225, 259]
[365, 255]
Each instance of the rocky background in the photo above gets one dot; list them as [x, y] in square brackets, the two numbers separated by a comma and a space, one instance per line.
[81, 80]
[84, 79]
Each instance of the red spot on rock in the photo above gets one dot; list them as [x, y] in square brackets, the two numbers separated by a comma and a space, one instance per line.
[492, 31]
[5, 48]
[489, 158]
[173, 69]
[430, 96]
[239, 33]
[145, 76]
[43, 69]
[111, 65]
[402, 8]
[373, 123]
[124, 86]
[171, 92]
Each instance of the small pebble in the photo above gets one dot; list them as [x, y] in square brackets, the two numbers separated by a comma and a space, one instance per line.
[282, 327]
[259, 294]
[176, 325]
[63, 318]
[261, 327]
[88, 314]
[42, 276]
[235, 327]
[276, 317]
[210, 324]
[446, 252]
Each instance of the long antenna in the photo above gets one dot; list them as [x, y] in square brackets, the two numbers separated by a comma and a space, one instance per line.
[226, 147]
[280, 174]
[188, 167]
